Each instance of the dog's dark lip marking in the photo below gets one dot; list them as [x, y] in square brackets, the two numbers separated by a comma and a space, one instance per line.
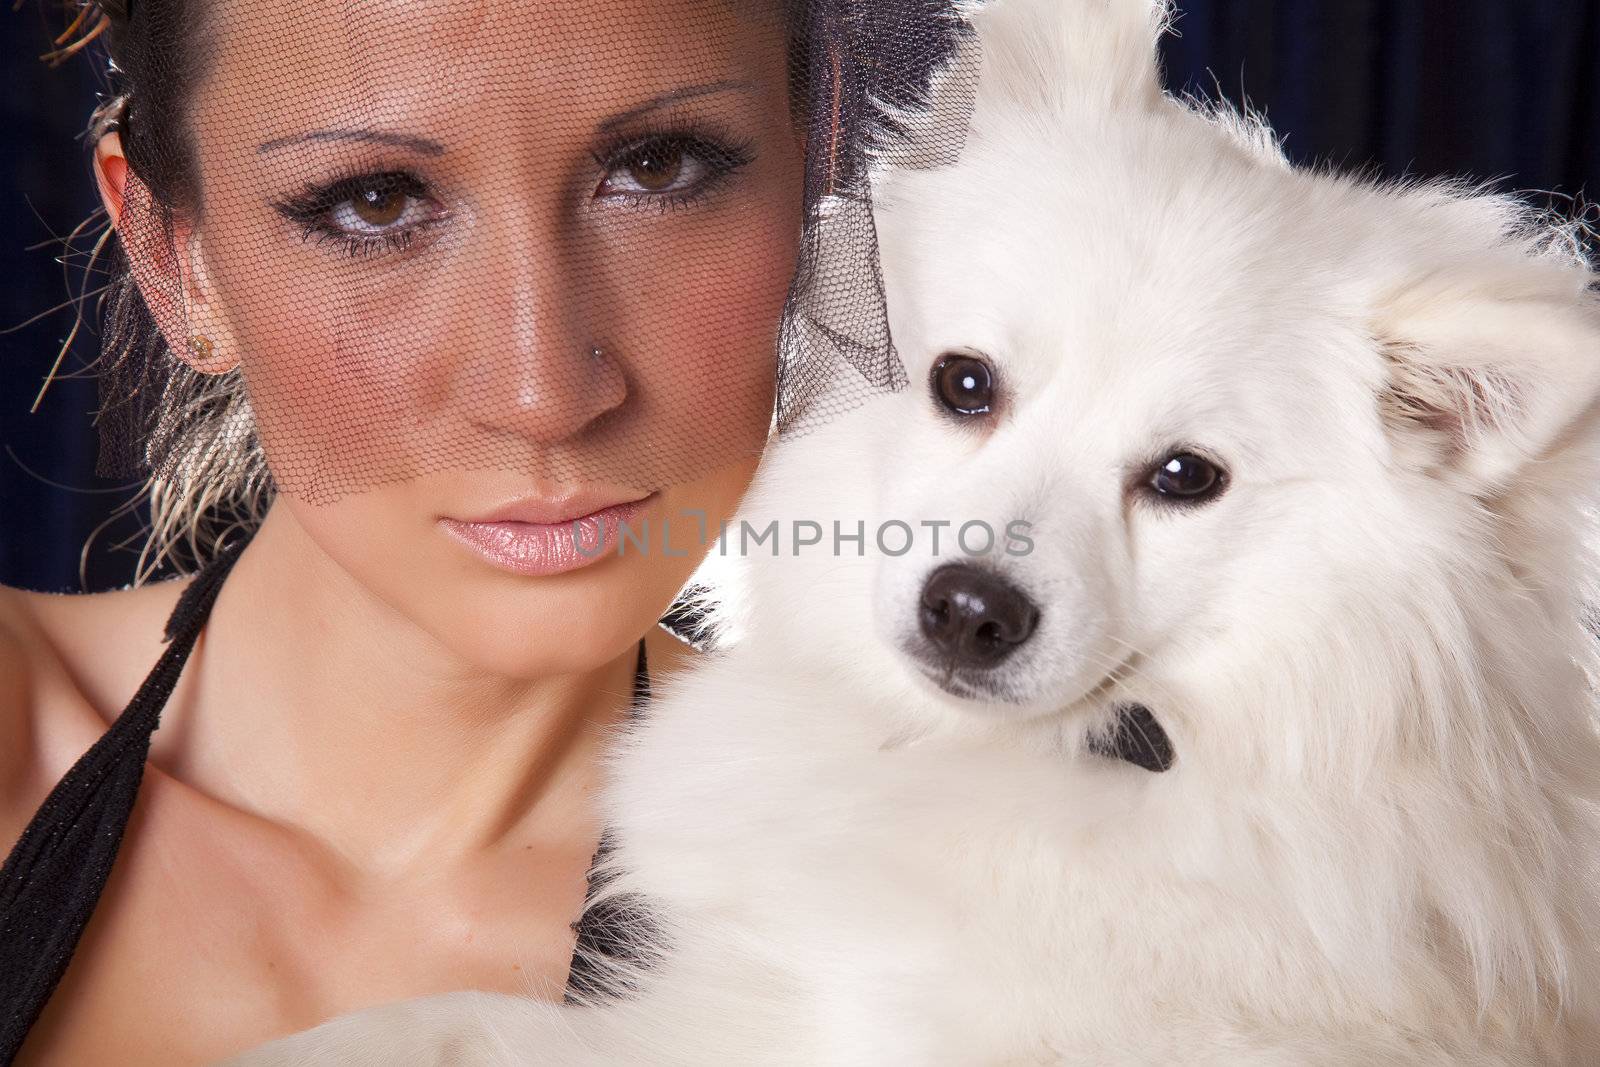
[960, 684]
[954, 681]
[1138, 739]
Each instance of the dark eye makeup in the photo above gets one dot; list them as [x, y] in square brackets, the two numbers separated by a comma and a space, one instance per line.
[364, 211]
[659, 167]
[666, 166]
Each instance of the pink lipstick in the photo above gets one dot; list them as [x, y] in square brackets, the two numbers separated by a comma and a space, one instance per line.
[540, 536]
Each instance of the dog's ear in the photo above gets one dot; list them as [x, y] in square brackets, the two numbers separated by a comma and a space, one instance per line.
[1063, 55]
[1493, 361]
[1036, 56]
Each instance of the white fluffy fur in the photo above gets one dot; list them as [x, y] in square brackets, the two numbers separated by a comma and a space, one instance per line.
[1378, 844]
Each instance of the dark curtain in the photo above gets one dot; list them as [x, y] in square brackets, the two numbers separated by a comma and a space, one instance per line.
[1504, 89]
[1488, 88]
[51, 503]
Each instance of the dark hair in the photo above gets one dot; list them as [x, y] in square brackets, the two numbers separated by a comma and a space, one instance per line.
[188, 436]
[157, 56]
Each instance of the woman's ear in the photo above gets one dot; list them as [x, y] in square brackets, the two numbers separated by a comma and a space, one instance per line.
[111, 174]
[166, 261]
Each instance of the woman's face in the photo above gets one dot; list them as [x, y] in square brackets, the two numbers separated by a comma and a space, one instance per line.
[491, 265]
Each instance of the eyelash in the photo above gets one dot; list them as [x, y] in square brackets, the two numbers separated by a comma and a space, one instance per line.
[310, 208]
[721, 154]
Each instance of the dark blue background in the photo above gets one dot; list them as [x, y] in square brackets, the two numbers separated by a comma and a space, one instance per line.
[1505, 89]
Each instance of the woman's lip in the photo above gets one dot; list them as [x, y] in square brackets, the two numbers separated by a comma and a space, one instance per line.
[570, 507]
[539, 548]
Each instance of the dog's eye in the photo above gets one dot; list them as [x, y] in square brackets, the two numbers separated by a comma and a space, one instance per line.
[1187, 477]
[964, 384]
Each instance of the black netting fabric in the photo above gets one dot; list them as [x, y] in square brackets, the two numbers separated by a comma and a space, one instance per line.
[615, 241]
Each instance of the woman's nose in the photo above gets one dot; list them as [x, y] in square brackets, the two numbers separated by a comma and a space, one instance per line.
[542, 370]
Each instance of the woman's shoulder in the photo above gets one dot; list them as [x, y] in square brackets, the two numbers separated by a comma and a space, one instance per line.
[68, 664]
[105, 642]
[16, 678]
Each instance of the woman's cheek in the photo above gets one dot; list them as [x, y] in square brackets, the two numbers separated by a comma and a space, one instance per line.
[346, 381]
[708, 344]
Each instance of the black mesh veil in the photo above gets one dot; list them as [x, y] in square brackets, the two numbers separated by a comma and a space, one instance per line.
[616, 241]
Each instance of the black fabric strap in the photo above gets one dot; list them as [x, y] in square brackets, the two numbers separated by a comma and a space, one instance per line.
[58, 868]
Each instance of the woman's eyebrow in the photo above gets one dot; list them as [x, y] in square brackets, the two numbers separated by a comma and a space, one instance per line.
[400, 140]
[673, 96]
[434, 148]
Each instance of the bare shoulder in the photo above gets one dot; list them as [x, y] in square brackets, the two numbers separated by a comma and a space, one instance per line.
[103, 642]
[68, 664]
[20, 673]
[16, 685]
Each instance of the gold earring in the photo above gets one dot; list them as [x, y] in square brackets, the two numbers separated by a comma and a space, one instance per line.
[200, 347]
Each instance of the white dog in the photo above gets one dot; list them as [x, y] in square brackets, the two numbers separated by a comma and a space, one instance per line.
[1305, 465]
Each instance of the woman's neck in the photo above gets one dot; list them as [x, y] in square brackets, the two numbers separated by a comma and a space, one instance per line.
[312, 704]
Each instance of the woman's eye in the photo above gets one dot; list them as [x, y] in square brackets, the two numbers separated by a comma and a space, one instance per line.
[376, 208]
[380, 207]
[1188, 478]
[369, 212]
[667, 168]
[656, 168]
[964, 384]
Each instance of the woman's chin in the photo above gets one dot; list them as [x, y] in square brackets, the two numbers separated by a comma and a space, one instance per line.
[570, 623]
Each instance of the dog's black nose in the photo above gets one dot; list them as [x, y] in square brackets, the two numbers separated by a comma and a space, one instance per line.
[974, 617]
